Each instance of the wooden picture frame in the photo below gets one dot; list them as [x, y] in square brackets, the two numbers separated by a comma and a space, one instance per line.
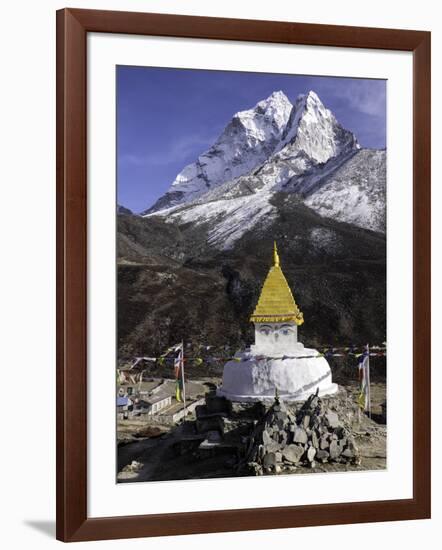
[73, 523]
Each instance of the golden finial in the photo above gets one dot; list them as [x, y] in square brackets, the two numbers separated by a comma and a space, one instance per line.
[275, 255]
[276, 303]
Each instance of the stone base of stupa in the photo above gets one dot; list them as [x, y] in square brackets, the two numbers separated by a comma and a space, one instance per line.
[251, 377]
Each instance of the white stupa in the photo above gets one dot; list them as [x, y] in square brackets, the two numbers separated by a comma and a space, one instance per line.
[277, 361]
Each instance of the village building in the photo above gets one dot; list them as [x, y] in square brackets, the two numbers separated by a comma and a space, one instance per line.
[277, 362]
[151, 405]
[129, 406]
[124, 406]
[157, 403]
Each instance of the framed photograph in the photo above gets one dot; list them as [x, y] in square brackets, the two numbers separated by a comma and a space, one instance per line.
[243, 274]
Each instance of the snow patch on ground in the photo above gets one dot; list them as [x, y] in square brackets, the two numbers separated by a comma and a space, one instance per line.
[323, 239]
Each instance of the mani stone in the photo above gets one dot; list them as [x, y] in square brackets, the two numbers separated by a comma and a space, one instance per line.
[266, 439]
[324, 444]
[272, 447]
[306, 421]
[335, 449]
[300, 436]
[314, 402]
[348, 453]
[332, 419]
[311, 454]
[340, 432]
[293, 453]
[315, 440]
[322, 455]
[269, 460]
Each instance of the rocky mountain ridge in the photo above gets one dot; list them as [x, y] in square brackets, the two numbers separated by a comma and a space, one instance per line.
[306, 152]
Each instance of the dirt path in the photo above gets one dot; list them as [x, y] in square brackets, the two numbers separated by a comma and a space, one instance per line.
[149, 452]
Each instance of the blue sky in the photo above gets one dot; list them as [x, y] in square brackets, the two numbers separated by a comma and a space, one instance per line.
[167, 117]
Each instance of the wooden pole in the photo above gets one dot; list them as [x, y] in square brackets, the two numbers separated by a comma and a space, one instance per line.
[368, 382]
[182, 379]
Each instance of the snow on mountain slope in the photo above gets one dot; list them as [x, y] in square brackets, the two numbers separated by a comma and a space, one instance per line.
[313, 146]
[307, 153]
[314, 143]
[275, 138]
[228, 219]
[355, 192]
[351, 191]
[246, 142]
[314, 130]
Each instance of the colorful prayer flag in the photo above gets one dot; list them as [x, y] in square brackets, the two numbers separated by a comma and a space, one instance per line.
[178, 390]
[364, 381]
[178, 364]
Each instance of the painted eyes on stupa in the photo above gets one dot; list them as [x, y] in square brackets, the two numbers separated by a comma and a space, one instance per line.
[282, 331]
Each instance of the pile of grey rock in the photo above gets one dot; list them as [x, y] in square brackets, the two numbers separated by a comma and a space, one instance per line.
[130, 471]
[286, 439]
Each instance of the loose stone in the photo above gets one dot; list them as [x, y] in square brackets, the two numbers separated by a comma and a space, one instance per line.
[300, 436]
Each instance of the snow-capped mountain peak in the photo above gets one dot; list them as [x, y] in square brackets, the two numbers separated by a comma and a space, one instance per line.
[273, 131]
[245, 143]
[275, 109]
[314, 130]
[277, 146]
[309, 100]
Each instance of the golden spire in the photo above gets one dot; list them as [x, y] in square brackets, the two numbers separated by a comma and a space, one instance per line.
[276, 303]
[275, 254]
